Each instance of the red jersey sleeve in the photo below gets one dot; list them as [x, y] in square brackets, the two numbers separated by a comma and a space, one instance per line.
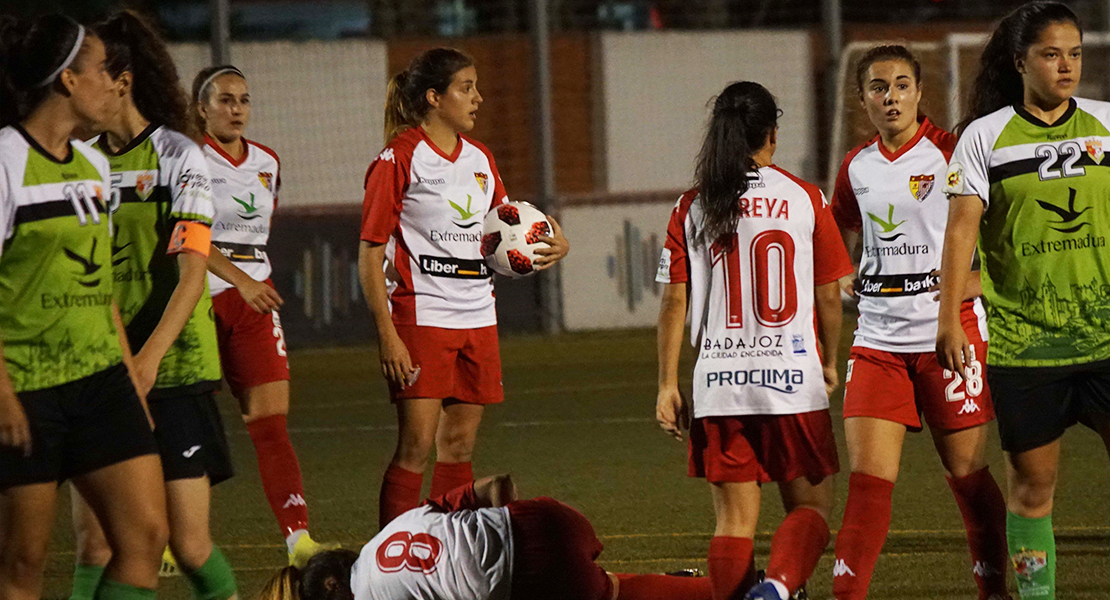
[830, 258]
[943, 140]
[674, 264]
[387, 180]
[845, 207]
[460, 498]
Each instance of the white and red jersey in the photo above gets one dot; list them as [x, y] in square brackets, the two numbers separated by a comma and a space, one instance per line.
[751, 296]
[895, 200]
[427, 207]
[445, 550]
[245, 193]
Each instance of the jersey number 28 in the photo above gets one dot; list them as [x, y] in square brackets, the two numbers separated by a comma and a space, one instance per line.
[774, 289]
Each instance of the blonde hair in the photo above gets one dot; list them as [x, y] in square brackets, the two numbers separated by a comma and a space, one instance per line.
[284, 585]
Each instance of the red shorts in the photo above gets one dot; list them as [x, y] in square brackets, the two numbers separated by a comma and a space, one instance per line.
[460, 364]
[763, 448]
[901, 386]
[252, 345]
[554, 549]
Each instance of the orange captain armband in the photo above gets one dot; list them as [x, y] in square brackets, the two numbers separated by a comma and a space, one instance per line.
[190, 236]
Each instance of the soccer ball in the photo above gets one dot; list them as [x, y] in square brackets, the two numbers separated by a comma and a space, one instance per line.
[510, 237]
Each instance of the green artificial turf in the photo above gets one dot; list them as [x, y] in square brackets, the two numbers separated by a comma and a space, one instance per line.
[578, 425]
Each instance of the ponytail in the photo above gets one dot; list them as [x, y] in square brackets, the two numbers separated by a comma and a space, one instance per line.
[133, 45]
[327, 576]
[998, 82]
[396, 120]
[32, 55]
[744, 114]
[406, 101]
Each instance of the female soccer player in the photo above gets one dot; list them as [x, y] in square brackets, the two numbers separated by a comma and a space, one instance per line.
[426, 195]
[885, 196]
[245, 179]
[754, 252]
[162, 211]
[478, 542]
[68, 408]
[1026, 178]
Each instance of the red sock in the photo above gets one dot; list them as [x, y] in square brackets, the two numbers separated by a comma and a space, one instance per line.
[861, 536]
[663, 587]
[448, 476]
[984, 511]
[731, 567]
[280, 471]
[796, 547]
[400, 493]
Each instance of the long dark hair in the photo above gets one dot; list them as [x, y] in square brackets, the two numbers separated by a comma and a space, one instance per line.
[998, 82]
[327, 576]
[133, 45]
[406, 99]
[29, 52]
[743, 115]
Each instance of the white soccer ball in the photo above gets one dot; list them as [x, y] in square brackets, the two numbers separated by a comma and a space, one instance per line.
[510, 238]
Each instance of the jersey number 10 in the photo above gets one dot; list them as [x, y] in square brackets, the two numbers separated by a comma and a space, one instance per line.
[774, 289]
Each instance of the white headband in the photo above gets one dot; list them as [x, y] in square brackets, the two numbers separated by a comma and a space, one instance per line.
[69, 59]
[207, 82]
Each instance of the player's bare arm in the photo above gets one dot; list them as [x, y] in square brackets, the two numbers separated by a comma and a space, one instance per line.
[15, 432]
[261, 297]
[826, 302]
[396, 362]
[964, 213]
[671, 407]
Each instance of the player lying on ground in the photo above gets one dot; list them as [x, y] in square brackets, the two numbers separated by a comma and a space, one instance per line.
[478, 542]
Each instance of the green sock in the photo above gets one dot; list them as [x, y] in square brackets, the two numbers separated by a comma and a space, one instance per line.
[114, 590]
[1033, 554]
[86, 578]
[214, 580]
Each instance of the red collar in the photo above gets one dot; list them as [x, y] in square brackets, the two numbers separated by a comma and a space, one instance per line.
[235, 163]
[923, 126]
[448, 157]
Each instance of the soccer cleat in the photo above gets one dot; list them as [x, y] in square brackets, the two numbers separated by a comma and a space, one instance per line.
[169, 566]
[763, 591]
[799, 594]
[306, 548]
[692, 572]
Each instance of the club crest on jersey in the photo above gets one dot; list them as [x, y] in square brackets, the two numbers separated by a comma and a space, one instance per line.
[144, 185]
[1094, 149]
[267, 180]
[921, 185]
[483, 181]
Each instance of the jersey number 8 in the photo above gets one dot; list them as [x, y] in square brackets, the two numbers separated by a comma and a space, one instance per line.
[774, 289]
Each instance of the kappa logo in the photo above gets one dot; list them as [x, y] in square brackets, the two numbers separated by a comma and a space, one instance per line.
[387, 156]
[888, 226]
[483, 181]
[984, 569]
[190, 452]
[144, 185]
[969, 407]
[295, 500]
[840, 569]
[89, 266]
[1068, 215]
[921, 185]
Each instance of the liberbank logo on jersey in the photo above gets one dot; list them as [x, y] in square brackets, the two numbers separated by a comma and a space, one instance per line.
[454, 268]
[786, 381]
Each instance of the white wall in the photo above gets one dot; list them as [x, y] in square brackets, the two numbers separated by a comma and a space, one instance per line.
[317, 104]
[656, 86]
[609, 276]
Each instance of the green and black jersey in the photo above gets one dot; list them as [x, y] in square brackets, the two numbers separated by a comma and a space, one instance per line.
[55, 282]
[1043, 237]
[158, 180]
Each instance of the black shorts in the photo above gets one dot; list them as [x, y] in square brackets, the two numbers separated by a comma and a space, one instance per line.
[77, 428]
[1035, 405]
[191, 436]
